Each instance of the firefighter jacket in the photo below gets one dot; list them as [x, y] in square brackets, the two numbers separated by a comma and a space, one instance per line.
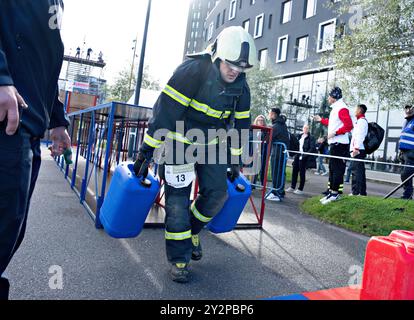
[197, 98]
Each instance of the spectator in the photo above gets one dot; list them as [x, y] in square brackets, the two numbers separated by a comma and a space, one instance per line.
[339, 124]
[357, 148]
[29, 71]
[301, 162]
[256, 150]
[280, 134]
[406, 146]
[78, 51]
[88, 54]
[322, 147]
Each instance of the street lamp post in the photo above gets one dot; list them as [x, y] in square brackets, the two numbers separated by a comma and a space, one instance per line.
[142, 58]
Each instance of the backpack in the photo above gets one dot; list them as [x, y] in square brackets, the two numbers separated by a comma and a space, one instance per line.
[293, 142]
[374, 137]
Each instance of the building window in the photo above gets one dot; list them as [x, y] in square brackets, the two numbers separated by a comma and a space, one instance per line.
[240, 4]
[286, 11]
[252, 2]
[270, 21]
[246, 25]
[232, 12]
[258, 26]
[210, 31]
[263, 58]
[302, 48]
[224, 17]
[326, 35]
[310, 8]
[341, 30]
[218, 21]
[282, 47]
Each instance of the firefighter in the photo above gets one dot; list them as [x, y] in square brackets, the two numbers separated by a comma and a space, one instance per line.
[207, 92]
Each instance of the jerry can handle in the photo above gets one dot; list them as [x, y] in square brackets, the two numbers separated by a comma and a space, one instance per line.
[146, 182]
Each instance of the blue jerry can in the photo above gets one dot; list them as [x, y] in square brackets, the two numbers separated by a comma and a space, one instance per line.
[128, 202]
[239, 193]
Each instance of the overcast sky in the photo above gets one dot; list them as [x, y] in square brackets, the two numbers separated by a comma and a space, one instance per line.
[111, 27]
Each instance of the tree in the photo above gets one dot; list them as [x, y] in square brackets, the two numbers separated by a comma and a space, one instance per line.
[266, 91]
[376, 57]
[124, 86]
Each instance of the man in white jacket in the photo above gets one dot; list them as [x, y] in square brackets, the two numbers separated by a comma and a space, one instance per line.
[359, 183]
[339, 124]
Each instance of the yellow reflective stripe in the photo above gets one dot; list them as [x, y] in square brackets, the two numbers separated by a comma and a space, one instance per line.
[178, 236]
[209, 111]
[199, 216]
[236, 152]
[242, 115]
[152, 142]
[180, 138]
[177, 96]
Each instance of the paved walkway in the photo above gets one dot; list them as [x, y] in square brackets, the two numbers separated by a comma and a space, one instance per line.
[294, 253]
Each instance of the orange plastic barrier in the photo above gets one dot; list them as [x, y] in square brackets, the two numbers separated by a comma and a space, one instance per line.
[389, 268]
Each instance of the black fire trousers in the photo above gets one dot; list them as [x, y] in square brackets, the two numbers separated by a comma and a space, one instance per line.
[19, 168]
[337, 167]
[184, 219]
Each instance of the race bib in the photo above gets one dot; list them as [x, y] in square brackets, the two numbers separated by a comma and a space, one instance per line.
[179, 176]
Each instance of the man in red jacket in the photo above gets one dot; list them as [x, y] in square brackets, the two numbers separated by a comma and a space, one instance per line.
[339, 124]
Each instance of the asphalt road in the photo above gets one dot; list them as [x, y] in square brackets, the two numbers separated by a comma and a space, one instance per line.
[293, 253]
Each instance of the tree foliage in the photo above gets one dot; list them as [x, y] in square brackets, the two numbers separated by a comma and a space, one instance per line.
[266, 91]
[124, 85]
[376, 55]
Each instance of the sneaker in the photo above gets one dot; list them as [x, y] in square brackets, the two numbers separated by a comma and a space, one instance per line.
[290, 190]
[299, 192]
[317, 174]
[179, 272]
[332, 198]
[197, 253]
[325, 198]
[272, 197]
[324, 174]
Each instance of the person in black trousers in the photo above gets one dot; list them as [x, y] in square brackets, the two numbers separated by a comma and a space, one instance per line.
[280, 135]
[301, 162]
[357, 149]
[406, 146]
[31, 56]
[340, 124]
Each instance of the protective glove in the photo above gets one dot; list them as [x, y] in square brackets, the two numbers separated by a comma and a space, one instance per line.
[233, 172]
[143, 161]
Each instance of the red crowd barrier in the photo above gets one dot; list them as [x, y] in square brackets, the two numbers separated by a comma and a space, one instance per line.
[389, 268]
